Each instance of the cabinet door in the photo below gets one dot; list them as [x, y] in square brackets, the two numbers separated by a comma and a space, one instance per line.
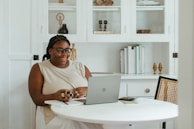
[105, 21]
[64, 17]
[150, 20]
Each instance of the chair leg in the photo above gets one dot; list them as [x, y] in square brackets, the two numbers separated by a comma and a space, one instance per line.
[163, 125]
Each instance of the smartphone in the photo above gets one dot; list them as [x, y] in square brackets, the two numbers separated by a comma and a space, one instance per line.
[127, 98]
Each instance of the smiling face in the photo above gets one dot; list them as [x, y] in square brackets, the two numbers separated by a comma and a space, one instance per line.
[60, 53]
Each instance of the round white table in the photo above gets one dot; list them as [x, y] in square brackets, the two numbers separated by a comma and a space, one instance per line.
[141, 110]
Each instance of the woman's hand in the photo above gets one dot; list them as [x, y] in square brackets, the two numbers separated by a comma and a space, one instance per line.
[80, 92]
[64, 95]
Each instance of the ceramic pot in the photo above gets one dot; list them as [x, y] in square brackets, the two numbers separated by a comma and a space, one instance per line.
[63, 29]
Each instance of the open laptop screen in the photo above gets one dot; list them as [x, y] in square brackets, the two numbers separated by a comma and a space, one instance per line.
[103, 89]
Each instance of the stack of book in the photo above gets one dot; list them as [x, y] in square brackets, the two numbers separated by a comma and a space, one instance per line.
[132, 59]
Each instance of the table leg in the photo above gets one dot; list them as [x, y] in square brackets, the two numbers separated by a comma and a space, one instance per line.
[163, 125]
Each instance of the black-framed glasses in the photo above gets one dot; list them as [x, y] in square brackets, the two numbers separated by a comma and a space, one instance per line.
[62, 50]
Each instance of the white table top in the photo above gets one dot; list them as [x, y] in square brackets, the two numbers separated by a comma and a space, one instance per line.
[142, 110]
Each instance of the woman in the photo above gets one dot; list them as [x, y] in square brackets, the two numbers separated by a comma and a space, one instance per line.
[53, 79]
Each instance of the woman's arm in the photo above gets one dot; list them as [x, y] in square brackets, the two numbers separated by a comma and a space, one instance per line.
[82, 90]
[35, 85]
[87, 73]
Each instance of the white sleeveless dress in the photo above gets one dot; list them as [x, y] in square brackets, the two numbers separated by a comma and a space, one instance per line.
[58, 78]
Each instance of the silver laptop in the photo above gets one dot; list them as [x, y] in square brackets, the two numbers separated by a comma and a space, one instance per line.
[103, 89]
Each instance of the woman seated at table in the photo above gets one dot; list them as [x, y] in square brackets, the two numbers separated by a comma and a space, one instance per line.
[53, 79]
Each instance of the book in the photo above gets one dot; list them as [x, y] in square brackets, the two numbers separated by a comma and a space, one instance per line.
[131, 59]
[125, 60]
[139, 59]
[122, 64]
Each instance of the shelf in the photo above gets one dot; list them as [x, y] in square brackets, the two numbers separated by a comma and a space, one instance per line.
[62, 7]
[149, 8]
[145, 76]
[106, 8]
[62, 4]
[139, 76]
[103, 32]
[135, 76]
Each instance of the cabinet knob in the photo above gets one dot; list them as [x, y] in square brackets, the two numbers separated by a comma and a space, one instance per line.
[147, 90]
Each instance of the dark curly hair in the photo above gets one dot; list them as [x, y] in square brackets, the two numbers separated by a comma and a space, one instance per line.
[52, 42]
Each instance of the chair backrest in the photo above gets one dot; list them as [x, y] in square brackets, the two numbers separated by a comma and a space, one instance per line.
[167, 89]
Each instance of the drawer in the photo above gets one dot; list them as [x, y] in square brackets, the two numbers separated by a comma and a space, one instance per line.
[138, 87]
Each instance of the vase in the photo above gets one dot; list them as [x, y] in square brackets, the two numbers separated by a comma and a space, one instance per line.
[63, 29]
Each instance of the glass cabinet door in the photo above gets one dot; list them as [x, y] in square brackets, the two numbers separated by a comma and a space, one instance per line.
[151, 21]
[150, 17]
[105, 20]
[63, 16]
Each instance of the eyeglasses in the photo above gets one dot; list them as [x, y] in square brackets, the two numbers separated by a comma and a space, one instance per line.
[62, 50]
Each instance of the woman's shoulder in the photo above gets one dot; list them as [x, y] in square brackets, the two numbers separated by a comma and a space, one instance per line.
[43, 63]
[76, 63]
[79, 66]
[35, 66]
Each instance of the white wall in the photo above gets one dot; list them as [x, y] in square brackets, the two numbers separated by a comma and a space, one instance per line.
[4, 85]
[16, 107]
[186, 65]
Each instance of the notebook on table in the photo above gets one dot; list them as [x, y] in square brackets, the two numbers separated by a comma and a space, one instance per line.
[102, 89]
